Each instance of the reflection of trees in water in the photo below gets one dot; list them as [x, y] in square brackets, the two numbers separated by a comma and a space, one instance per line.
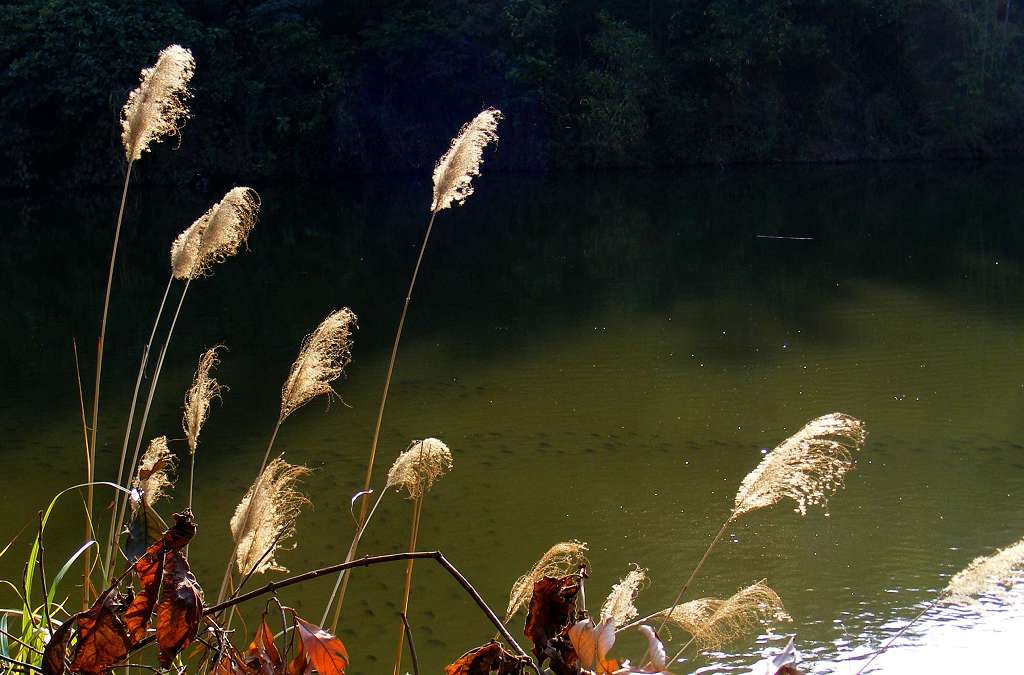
[530, 250]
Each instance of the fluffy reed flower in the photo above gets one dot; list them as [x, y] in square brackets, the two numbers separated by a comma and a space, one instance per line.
[620, 605]
[985, 573]
[154, 474]
[454, 172]
[714, 622]
[157, 108]
[323, 357]
[265, 517]
[216, 235]
[808, 467]
[419, 466]
[197, 399]
[561, 559]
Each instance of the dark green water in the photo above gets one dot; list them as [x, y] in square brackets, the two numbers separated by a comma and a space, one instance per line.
[607, 356]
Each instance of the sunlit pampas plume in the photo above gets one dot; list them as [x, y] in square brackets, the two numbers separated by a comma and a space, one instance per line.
[322, 359]
[561, 559]
[198, 397]
[454, 172]
[159, 105]
[985, 574]
[216, 235]
[620, 606]
[808, 467]
[153, 477]
[714, 622]
[265, 518]
[419, 466]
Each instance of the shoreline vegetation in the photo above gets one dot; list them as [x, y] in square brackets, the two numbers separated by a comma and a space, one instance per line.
[307, 90]
[142, 591]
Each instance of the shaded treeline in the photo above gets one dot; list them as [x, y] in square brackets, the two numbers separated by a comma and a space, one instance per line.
[307, 89]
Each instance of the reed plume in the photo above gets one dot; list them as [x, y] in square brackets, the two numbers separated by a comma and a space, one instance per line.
[453, 174]
[265, 517]
[197, 406]
[620, 606]
[808, 467]
[561, 559]
[714, 623]
[985, 574]
[154, 475]
[415, 472]
[159, 105]
[322, 359]
[212, 238]
[152, 111]
[452, 182]
[216, 235]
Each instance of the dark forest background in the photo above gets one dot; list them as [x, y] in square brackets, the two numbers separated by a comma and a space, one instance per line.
[307, 89]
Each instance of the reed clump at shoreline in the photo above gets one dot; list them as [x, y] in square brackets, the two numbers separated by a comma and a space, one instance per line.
[137, 586]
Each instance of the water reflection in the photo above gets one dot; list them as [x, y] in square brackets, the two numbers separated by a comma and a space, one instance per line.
[606, 356]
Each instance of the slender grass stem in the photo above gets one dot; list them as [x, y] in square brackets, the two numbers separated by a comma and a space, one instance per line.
[901, 631]
[86, 566]
[693, 575]
[384, 401]
[343, 575]
[145, 417]
[414, 531]
[42, 576]
[90, 467]
[112, 535]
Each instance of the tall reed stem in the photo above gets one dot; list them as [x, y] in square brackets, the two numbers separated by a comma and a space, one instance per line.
[901, 631]
[380, 412]
[90, 468]
[693, 574]
[414, 531]
[356, 538]
[248, 510]
[85, 443]
[112, 534]
[145, 417]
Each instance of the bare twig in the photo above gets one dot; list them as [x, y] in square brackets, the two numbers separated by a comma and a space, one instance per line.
[412, 645]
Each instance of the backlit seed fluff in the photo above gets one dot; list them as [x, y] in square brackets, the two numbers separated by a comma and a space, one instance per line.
[216, 235]
[808, 467]
[153, 476]
[197, 399]
[158, 106]
[419, 466]
[714, 623]
[454, 172]
[620, 606]
[561, 559]
[985, 574]
[322, 359]
[265, 518]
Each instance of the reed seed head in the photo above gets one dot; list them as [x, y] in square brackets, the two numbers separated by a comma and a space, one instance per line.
[419, 466]
[808, 467]
[159, 105]
[322, 359]
[985, 574]
[197, 399]
[216, 235]
[153, 476]
[453, 174]
[265, 518]
[561, 559]
[620, 606]
[714, 622]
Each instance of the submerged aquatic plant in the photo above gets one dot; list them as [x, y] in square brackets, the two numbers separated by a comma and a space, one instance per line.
[265, 517]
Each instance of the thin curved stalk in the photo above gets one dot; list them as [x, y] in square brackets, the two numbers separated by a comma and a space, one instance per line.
[112, 535]
[693, 575]
[145, 417]
[356, 538]
[91, 466]
[901, 631]
[414, 531]
[384, 401]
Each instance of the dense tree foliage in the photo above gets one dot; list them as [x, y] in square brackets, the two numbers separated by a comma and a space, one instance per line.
[313, 88]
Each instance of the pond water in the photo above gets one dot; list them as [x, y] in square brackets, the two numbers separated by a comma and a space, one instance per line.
[607, 357]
